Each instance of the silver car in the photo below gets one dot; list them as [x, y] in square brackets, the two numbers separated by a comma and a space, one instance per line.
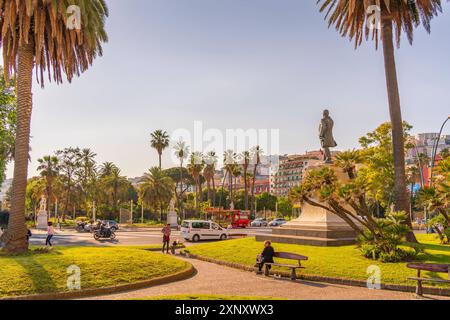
[258, 223]
[277, 222]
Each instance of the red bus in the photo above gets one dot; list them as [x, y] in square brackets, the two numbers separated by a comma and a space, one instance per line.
[234, 218]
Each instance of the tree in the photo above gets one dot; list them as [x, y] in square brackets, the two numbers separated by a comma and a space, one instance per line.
[156, 189]
[8, 108]
[182, 153]
[266, 201]
[445, 153]
[160, 141]
[351, 20]
[69, 164]
[246, 158]
[195, 168]
[116, 187]
[36, 33]
[209, 173]
[49, 170]
[257, 152]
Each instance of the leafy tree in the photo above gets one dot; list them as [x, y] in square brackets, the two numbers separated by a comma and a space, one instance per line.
[195, 168]
[285, 206]
[209, 173]
[8, 110]
[182, 153]
[266, 201]
[256, 161]
[35, 35]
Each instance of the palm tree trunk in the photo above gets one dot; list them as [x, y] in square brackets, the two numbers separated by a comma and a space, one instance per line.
[400, 189]
[15, 237]
[245, 188]
[253, 188]
[180, 203]
[160, 162]
[214, 192]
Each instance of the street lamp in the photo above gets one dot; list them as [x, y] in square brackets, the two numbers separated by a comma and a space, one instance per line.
[435, 147]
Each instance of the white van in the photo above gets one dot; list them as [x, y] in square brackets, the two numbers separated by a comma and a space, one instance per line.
[196, 230]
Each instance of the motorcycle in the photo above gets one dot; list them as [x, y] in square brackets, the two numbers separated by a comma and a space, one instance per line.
[82, 227]
[104, 233]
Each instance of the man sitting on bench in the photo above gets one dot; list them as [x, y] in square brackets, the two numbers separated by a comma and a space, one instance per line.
[266, 256]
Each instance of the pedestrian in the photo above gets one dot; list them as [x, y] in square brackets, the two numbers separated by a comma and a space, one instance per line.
[50, 234]
[166, 238]
[29, 235]
[265, 257]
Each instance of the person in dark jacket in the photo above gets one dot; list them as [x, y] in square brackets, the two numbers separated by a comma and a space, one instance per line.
[266, 256]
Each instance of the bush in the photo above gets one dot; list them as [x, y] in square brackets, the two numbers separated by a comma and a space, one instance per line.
[388, 244]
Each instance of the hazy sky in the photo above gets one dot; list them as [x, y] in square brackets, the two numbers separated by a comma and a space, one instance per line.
[262, 64]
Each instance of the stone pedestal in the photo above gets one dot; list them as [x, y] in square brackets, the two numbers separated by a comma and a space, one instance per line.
[172, 219]
[42, 220]
[316, 226]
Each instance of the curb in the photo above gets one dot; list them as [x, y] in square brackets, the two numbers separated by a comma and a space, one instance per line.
[331, 280]
[182, 275]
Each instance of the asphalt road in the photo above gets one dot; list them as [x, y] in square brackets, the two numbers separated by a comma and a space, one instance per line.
[137, 237]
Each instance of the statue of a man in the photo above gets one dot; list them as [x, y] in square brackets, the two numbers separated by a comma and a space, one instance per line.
[326, 136]
[43, 204]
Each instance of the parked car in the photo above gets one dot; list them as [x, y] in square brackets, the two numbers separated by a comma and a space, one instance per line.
[112, 224]
[277, 222]
[258, 223]
[196, 230]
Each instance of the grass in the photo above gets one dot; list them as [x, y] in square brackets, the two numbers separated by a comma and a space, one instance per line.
[202, 297]
[338, 262]
[100, 267]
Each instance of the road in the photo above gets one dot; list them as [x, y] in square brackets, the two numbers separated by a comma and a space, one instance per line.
[129, 237]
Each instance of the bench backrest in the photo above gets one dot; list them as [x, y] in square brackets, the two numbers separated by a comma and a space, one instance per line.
[432, 267]
[290, 256]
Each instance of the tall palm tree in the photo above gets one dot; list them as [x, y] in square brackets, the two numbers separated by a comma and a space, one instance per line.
[351, 20]
[49, 169]
[160, 141]
[182, 153]
[107, 168]
[87, 173]
[246, 158]
[209, 172]
[116, 185]
[256, 152]
[229, 159]
[195, 168]
[156, 189]
[36, 34]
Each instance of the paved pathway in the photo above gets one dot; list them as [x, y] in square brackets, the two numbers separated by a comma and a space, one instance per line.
[220, 280]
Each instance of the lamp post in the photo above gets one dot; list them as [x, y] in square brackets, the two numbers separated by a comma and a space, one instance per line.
[435, 147]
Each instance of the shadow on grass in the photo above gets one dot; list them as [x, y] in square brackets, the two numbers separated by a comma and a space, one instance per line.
[42, 280]
[437, 247]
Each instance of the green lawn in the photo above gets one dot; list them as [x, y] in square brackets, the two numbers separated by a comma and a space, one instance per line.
[203, 297]
[100, 267]
[341, 262]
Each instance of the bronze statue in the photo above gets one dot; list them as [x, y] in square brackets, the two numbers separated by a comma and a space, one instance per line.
[326, 136]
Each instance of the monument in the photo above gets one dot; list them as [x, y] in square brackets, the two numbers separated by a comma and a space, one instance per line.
[42, 216]
[172, 216]
[326, 136]
[317, 226]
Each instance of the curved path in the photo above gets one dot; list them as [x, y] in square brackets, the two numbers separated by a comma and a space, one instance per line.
[220, 280]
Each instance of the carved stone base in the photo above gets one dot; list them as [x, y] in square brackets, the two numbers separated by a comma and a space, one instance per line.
[316, 226]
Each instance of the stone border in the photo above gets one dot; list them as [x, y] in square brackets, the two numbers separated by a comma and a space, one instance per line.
[331, 280]
[182, 275]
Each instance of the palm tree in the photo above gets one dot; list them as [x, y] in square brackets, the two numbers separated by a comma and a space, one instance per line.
[257, 152]
[160, 141]
[36, 33]
[209, 172]
[351, 20]
[195, 168]
[87, 173]
[49, 169]
[107, 168]
[116, 185]
[156, 188]
[229, 159]
[246, 157]
[69, 163]
[348, 160]
[182, 153]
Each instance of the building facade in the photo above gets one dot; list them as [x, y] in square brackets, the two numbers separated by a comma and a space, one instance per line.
[424, 144]
[290, 173]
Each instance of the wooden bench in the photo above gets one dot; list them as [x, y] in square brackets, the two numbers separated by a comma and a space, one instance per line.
[287, 256]
[438, 268]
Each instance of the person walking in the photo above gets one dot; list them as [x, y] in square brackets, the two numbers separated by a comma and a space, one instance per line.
[166, 238]
[266, 256]
[50, 234]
